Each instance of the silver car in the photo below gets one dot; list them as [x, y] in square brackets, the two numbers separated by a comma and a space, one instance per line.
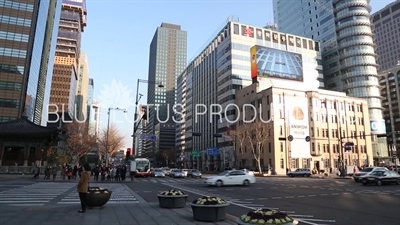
[367, 171]
[177, 174]
[159, 173]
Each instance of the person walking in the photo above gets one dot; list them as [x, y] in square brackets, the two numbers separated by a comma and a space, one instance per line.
[83, 187]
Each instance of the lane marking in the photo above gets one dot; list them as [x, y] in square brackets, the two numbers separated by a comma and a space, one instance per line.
[289, 197]
[276, 197]
[312, 195]
[267, 198]
[301, 196]
[229, 189]
[249, 199]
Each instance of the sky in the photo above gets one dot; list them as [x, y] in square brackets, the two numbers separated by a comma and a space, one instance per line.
[118, 35]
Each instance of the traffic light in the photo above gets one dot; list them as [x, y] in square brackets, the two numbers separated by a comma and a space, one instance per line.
[381, 135]
[217, 135]
[128, 154]
[144, 113]
[282, 139]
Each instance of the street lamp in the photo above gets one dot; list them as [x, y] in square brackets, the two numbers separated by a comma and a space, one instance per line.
[138, 97]
[108, 130]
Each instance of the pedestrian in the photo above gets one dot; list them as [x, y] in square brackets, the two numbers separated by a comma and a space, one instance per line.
[83, 187]
[54, 171]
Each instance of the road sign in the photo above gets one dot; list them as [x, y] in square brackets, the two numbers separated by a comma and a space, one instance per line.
[148, 137]
[195, 153]
[308, 139]
[290, 138]
[213, 151]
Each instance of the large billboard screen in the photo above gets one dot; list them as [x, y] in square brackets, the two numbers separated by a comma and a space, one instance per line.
[274, 63]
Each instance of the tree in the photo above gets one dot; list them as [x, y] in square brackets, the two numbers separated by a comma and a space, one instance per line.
[79, 142]
[168, 155]
[240, 136]
[115, 141]
[257, 134]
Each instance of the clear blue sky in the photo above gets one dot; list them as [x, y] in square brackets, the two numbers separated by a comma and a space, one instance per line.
[119, 32]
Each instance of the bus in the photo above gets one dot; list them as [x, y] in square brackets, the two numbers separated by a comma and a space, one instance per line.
[140, 167]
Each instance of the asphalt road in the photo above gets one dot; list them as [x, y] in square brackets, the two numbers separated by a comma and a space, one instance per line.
[311, 201]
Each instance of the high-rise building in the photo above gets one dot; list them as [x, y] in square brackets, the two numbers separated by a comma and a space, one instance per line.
[90, 95]
[223, 67]
[167, 61]
[387, 32]
[66, 62]
[390, 82]
[142, 129]
[26, 47]
[82, 89]
[348, 50]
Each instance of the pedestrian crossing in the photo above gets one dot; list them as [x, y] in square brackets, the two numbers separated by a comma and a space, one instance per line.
[36, 194]
[170, 180]
[120, 194]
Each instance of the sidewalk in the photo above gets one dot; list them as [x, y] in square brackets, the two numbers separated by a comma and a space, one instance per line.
[115, 214]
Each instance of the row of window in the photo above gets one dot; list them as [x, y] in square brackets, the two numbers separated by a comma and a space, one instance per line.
[9, 103]
[14, 36]
[15, 21]
[16, 5]
[334, 133]
[10, 86]
[12, 52]
[336, 148]
[12, 69]
[6, 119]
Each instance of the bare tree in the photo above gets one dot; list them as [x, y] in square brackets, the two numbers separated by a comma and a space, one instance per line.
[115, 140]
[168, 155]
[257, 134]
[79, 142]
[240, 136]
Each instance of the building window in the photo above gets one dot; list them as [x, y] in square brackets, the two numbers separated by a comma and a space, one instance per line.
[282, 164]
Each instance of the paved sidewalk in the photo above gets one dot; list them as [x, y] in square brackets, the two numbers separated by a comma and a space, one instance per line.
[118, 214]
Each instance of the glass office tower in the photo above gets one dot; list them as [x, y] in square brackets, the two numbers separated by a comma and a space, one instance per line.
[348, 51]
[26, 30]
[168, 51]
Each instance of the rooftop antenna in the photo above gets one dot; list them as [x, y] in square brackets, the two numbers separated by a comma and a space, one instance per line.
[271, 26]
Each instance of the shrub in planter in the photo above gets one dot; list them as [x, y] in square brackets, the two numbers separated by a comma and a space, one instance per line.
[209, 209]
[172, 199]
[97, 196]
[266, 217]
[172, 192]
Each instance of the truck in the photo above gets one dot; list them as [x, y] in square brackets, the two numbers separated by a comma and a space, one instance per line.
[140, 167]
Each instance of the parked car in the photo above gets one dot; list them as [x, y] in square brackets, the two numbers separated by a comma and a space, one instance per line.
[300, 173]
[166, 171]
[185, 172]
[366, 171]
[176, 174]
[380, 177]
[231, 177]
[159, 173]
[193, 173]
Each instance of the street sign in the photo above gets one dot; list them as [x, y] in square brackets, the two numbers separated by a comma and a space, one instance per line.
[308, 138]
[213, 151]
[196, 153]
[290, 138]
[148, 137]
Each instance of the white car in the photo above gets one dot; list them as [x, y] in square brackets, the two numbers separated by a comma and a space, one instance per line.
[185, 172]
[367, 171]
[231, 177]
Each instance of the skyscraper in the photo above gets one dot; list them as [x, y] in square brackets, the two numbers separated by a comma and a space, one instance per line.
[387, 32]
[66, 63]
[82, 89]
[166, 62]
[26, 29]
[348, 50]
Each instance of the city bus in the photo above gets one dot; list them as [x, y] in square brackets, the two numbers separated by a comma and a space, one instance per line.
[140, 167]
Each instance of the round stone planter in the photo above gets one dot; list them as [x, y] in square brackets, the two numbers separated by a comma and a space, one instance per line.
[94, 199]
[172, 201]
[240, 222]
[209, 213]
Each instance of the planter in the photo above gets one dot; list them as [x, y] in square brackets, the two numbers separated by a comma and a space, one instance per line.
[240, 222]
[97, 197]
[209, 213]
[172, 201]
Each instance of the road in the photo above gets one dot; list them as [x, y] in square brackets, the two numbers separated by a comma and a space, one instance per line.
[311, 201]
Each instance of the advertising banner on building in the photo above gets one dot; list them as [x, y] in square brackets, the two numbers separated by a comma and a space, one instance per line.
[275, 63]
[298, 121]
[378, 126]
